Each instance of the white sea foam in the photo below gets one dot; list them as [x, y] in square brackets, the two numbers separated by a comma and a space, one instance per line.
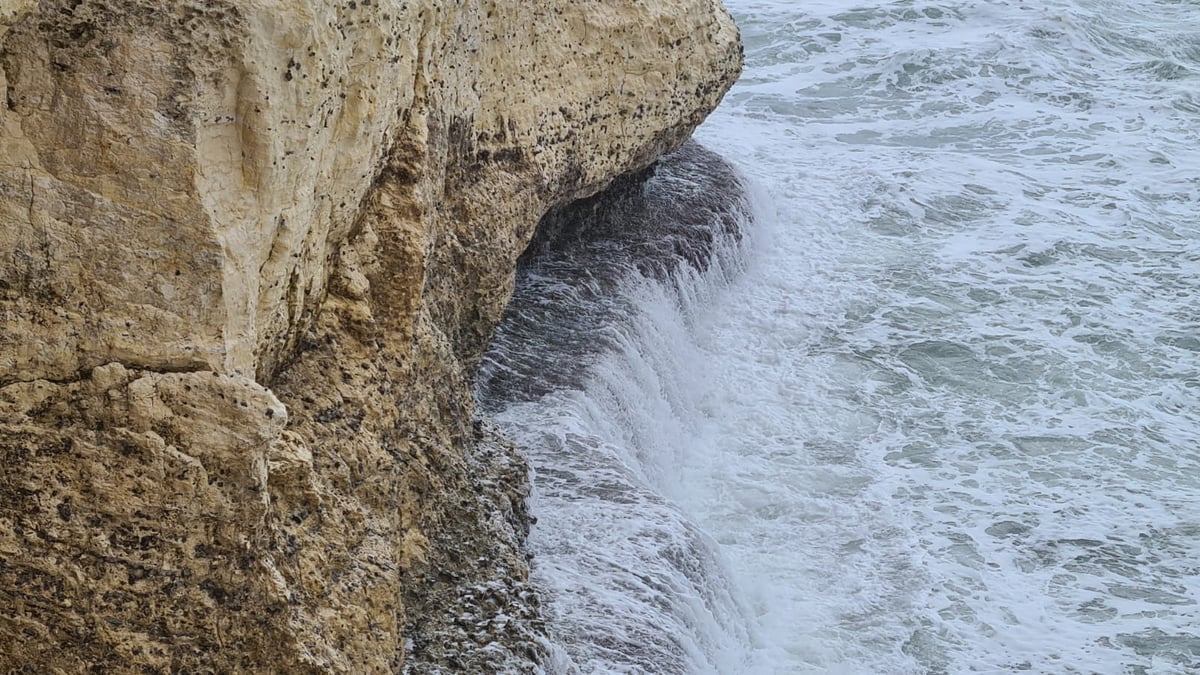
[994, 203]
[947, 419]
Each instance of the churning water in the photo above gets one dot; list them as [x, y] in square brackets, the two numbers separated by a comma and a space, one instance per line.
[938, 410]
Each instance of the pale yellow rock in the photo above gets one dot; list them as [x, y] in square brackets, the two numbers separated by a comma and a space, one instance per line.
[250, 255]
[218, 153]
[12, 11]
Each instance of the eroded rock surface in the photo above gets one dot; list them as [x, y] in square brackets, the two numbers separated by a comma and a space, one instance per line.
[250, 255]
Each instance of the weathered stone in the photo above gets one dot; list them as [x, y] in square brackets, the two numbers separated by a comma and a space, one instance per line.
[250, 255]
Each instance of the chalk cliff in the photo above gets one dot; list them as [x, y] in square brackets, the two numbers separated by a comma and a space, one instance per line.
[251, 252]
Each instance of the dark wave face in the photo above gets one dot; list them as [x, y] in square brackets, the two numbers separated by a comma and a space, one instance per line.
[649, 225]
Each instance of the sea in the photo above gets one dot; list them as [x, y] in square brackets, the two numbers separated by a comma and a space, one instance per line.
[897, 371]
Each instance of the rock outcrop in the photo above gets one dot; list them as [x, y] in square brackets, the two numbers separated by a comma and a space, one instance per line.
[251, 253]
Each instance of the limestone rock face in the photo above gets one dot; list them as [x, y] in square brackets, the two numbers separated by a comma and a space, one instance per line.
[250, 254]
